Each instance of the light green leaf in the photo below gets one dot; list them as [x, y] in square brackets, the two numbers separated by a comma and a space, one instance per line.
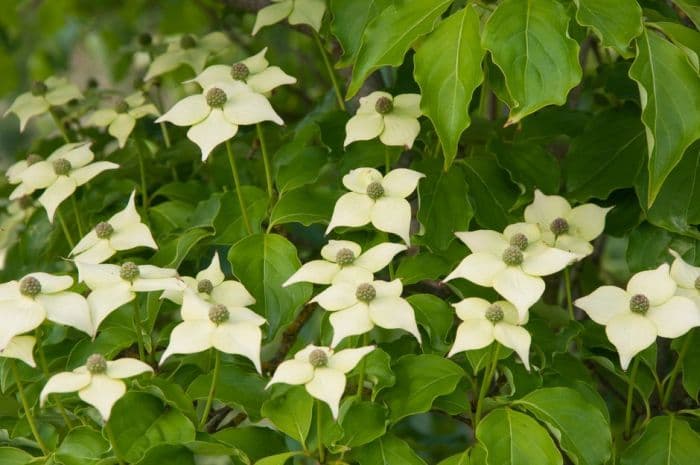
[666, 440]
[363, 422]
[435, 316]
[256, 441]
[13, 456]
[350, 18]
[457, 459]
[616, 22]
[684, 38]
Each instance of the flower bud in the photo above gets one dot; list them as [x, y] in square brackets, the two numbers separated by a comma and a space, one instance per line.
[218, 314]
[519, 240]
[559, 226]
[39, 88]
[639, 303]
[318, 358]
[204, 286]
[104, 230]
[30, 286]
[129, 271]
[240, 72]
[512, 256]
[365, 293]
[145, 39]
[375, 190]
[96, 364]
[345, 257]
[216, 98]
[384, 105]
[61, 167]
[494, 313]
[93, 83]
[187, 41]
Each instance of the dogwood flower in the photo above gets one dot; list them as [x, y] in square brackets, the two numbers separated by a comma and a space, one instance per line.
[344, 260]
[121, 119]
[123, 231]
[43, 96]
[26, 303]
[648, 308]
[483, 323]
[376, 199]
[113, 285]
[254, 71]
[512, 263]
[216, 113]
[687, 277]
[564, 227]
[211, 286]
[231, 329]
[98, 382]
[60, 174]
[321, 371]
[187, 50]
[393, 119]
[358, 306]
[308, 12]
[20, 348]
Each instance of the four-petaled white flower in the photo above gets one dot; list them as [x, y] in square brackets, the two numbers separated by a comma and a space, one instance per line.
[380, 200]
[121, 119]
[564, 227]
[187, 50]
[321, 371]
[633, 318]
[344, 260]
[98, 382]
[44, 94]
[232, 329]
[687, 277]
[483, 322]
[113, 285]
[216, 113]
[308, 12]
[512, 263]
[358, 306]
[60, 174]
[21, 348]
[254, 71]
[393, 119]
[123, 231]
[26, 303]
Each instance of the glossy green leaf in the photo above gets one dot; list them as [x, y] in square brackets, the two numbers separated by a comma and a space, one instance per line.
[685, 38]
[306, 205]
[491, 190]
[616, 22]
[457, 459]
[435, 316]
[350, 18]
[388, 450]
[666, 440]
[278, 459]
[255, 441]
[82, 446]
[363, 422]
[170, 454]
[291, 412]
[13, 456]
[530, 166]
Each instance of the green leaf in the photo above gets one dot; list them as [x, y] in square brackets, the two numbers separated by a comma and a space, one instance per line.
[257, 442]
[171, 393]
[416, 268]
[435, 316]
[263, 262]
[378, 371]
[13, 456]
[291, 412]
[647, 247]
[691, 8]
[420, 379]
[582, 431]
[306, 205]
[390, 34]
[229, 224]
[616, 22]
[529, 165]
[279, 459]
[82, 446]
[170, 454]
[529, 42]
[350, 18]
[684, 38]
[491, 190]
[691, 361]
[448, 70]
[172, 253]
[513, 438]
[387, 450]
[363, 422]
[457, 459]
[667, 440]
[670, 92]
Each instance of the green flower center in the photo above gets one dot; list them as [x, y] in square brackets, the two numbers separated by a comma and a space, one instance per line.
[345, 257]
[216, 98]
[121, 107]
[697, 283]
[559, 226]
[33, 158]
[512, 256]
[61, 166]
[96, 364]
[187, 41]
[639, 303]
[39, 88]
[104, 230]
[365, 292]
[218, 314]
[145, 39]
[318, 358]
[519, 240]
[30, 286]
[384, 105]
[375, 190]
[494, 313]
[240, 72]
[205, 286]
[129, 271]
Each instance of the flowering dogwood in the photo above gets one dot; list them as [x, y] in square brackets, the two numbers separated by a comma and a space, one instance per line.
[215, 114]
[344, 260]
[380, 200]
[20, 348]
[687, 277]
[648, 308]
[484, 322]
[121, 119]
[187, 50]
[232, 329]
[564, 227]
[43, 96]
[512, 263]
[321, 371]
[98, 382]
[309, 12]
[393, 119]
[26, 303]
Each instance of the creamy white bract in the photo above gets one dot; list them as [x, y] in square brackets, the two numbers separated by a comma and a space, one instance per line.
[393, 119]
[309, 12]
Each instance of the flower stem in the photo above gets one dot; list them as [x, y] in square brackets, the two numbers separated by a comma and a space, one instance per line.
[630, 397]
[569, 301]
[676, 369]
[163, 126]
[76, 213]
[142, 172]
[331, 73]
[25, 405]
[237, 182]
[113, 442]
[363, 365]
[61, 127]
[212, 390]
[486, 384]
[319, 433]
[266, 162]
[45, 370]
[66, 232]
[139, 330]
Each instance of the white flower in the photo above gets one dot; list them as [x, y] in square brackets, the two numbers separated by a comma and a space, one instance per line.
[254, 71]
[98, 382]
[483, 322]
[358, 306]
[511, 263]
[44, 95]
[26, 303]
[687, 277]
[113, 285]
[121, 119]
[232, 329]
[564, 227]
[393, 119]
[187, 50]
[376, 199]
[321, 371]
[344, 260]
[308, 12]
[123, 231]
[633, 318]
[21, 348]
[60, 174]
[216, 113]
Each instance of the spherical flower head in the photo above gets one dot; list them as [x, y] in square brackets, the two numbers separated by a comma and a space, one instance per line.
[187, 41]
[559, 226]
[33, 158]
[121, 107]
[61, 166]
[129, 271]
[240, 72]
[39, 88]
[318, 358]
[520, 241]
[205, 286]
[104, 230]
[365, 293]
[219, 314]
[30, 286]
[494, 313]
[639, 303]
[384, 105]
[216, 98]
[96, 364]
[513, 256]
[145, 39]
[375, 190]
[345, 257]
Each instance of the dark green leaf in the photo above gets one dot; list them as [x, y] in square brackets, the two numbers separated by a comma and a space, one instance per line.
[667, 440]
[492, 192]
[388, 450]
[291, 412]
[350, 18]
[82, 446]
[435, 316]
